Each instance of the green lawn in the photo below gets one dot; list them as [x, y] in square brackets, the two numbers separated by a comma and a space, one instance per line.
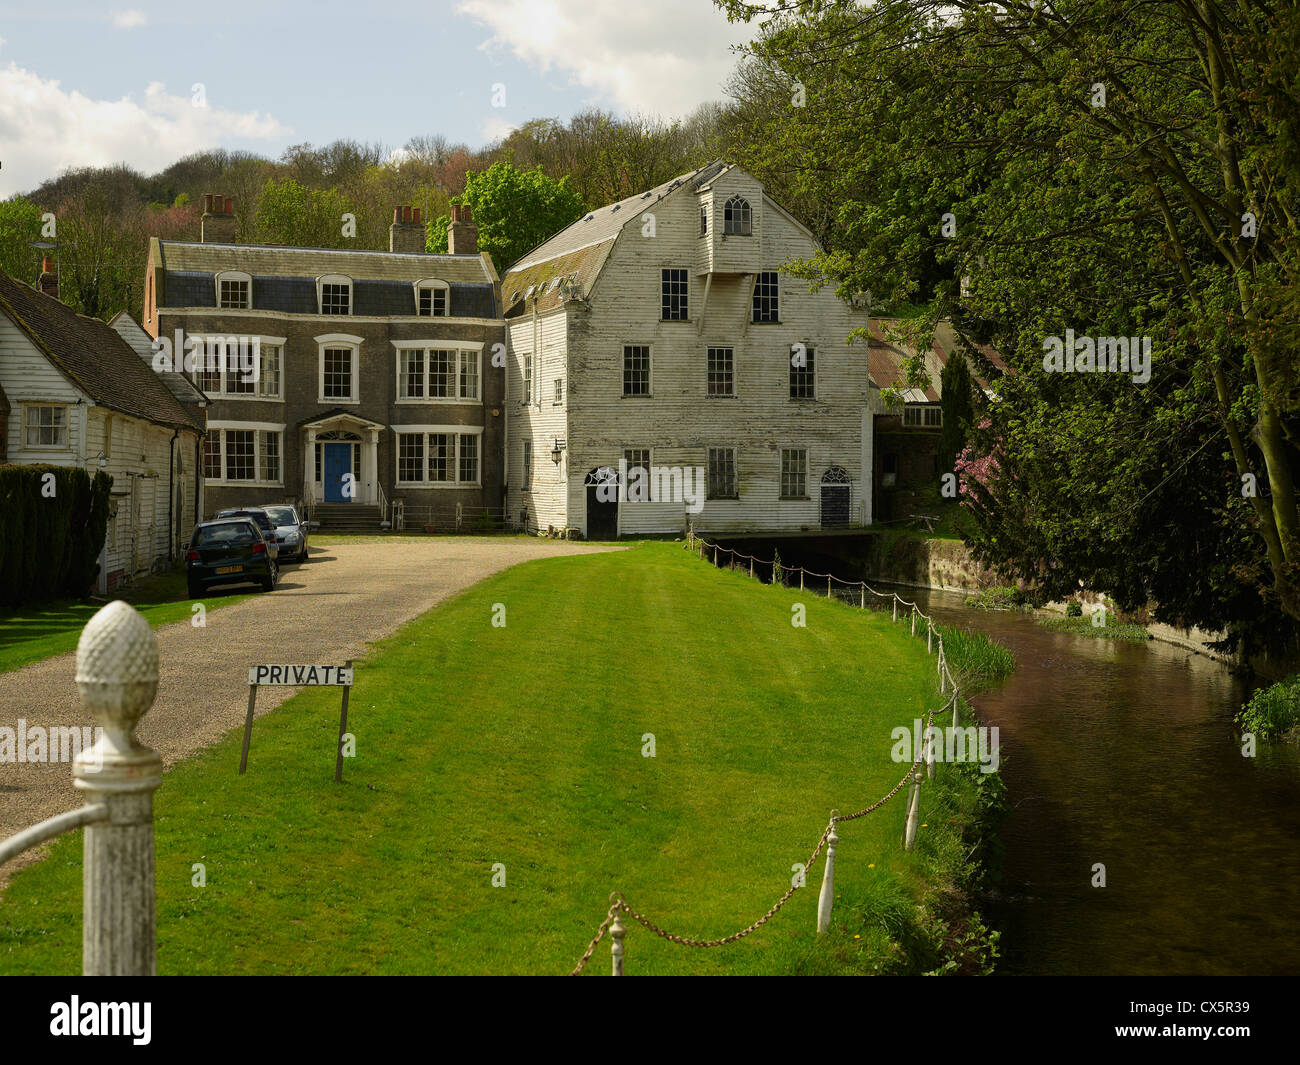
[522, 745]
[32, 633]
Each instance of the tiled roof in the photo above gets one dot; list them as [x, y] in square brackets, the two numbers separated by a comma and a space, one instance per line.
[580, 249]
[275, 260]
[177, 384]
[92, 355]
[885, 358]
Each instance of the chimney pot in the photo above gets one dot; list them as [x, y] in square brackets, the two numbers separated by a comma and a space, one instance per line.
[48, 282]
[218, 223]
[406, 235]
[462, 233]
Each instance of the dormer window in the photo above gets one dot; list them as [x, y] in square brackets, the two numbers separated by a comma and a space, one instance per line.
[737, 218]
[234, 290]
[432, 299]
[334, 294]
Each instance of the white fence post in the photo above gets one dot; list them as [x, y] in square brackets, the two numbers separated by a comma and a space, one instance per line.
[117, 675]
[913, 621]
[929, 635]
[895, 607]
[826, 900]
[862, 602]
[913, 812]
[616, 932]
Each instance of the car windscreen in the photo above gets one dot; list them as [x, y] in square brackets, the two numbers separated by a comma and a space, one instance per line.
[282, 515]
[258, 516]
[236, 534]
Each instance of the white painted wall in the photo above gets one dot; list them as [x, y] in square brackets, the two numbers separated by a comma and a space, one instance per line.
[679, 421]
[136, 453]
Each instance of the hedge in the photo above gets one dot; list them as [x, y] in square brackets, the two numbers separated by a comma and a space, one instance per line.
[52, 525]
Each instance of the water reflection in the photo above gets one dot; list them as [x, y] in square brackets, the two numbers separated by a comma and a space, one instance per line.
[1124, 754]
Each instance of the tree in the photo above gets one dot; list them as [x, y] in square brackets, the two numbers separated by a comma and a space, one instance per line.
[20, 223]
[292, 213]
[958, 410]
[1114, 172]
[515, 210]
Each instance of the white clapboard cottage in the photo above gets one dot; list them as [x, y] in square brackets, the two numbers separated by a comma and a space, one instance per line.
[79, 394]
[665, 370]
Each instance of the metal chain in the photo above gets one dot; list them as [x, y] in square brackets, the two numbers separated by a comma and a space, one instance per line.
[618, 902]
[600, 934]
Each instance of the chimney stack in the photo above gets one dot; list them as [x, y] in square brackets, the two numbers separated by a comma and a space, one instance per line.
[48, 282]
[218, 225]
[462, 234]
[406, 234]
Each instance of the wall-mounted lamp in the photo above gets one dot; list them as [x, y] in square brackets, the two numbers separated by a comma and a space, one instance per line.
[102, 459]
[557, 452]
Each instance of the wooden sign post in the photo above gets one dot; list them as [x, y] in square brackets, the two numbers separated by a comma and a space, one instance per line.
[299, 677]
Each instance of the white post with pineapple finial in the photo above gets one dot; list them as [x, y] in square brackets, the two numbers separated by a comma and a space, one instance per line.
[616, 933]
[117, 676]
[826, 900]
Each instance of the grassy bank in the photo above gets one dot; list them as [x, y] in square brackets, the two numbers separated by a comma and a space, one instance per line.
[33, 633]
[524, 745]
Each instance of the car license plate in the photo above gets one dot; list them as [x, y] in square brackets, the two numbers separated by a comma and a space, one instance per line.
[230, 569]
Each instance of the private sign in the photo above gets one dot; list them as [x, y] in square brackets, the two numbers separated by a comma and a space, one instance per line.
[299, 676]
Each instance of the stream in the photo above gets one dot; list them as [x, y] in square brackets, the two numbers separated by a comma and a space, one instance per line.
[1125, 754]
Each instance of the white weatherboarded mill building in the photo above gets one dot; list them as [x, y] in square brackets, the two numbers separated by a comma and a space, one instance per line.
[660, 333]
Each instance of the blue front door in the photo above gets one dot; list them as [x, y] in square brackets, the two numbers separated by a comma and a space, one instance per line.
[338, 461]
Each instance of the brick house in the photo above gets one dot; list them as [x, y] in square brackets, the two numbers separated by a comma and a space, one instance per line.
[907, 426]
[374, 383]
[663, 334]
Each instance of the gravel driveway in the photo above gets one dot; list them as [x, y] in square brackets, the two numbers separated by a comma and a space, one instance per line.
[325, 611]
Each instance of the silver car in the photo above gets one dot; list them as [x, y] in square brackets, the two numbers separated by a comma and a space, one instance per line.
[290, 531]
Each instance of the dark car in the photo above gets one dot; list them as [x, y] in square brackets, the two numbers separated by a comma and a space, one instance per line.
[290, 532]
[228, 551]
[264, 522]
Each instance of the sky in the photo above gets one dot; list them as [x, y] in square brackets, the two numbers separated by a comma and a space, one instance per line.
[94, 84]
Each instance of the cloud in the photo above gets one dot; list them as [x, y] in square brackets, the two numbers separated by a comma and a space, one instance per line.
[45, 128]
[663, 59]
[495, 129]
[130, 19]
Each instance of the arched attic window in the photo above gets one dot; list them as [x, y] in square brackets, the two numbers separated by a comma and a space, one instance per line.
[432, 298]
[234, 290]
[334, 293]
[737, 217]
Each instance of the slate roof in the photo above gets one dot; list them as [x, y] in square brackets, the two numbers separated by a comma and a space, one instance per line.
[578, 252]
[276, 260]
[297, 294]
[92, 355]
